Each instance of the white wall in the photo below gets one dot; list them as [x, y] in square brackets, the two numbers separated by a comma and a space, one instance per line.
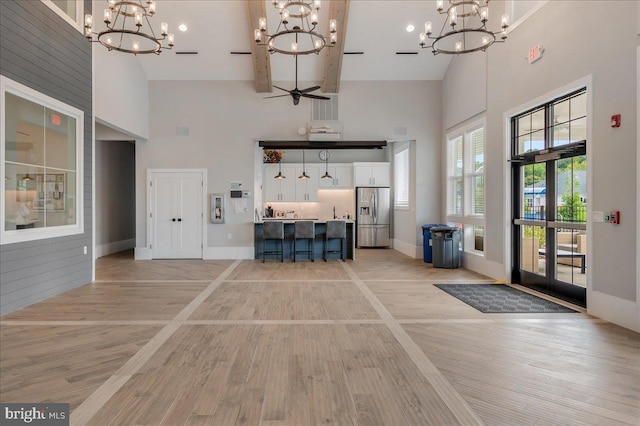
[465, 88]
[121, 91]
[224, 119]
[573, 52]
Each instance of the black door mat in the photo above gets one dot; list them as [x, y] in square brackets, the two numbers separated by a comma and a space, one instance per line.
[501, 299]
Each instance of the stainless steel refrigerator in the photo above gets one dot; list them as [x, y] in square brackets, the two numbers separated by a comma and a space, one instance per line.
[373, 209]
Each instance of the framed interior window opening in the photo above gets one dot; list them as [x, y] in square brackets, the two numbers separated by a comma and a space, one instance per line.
[71, 11]
[41, 139]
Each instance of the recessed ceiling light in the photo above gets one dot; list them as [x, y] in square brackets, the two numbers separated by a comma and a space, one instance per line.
[182, 27]
[410, 28]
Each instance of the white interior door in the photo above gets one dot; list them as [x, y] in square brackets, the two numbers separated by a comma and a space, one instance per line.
[176, 215]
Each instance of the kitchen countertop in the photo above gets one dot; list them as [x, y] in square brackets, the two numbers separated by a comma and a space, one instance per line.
[294, 220]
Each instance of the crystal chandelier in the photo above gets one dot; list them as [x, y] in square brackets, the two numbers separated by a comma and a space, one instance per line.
[124, 20]
[296, 33]
[468, 33]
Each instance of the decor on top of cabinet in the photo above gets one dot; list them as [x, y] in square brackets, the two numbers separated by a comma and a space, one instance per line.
[271, 156]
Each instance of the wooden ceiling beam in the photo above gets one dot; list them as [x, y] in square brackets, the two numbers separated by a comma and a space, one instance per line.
[260, 54]
[338, 10]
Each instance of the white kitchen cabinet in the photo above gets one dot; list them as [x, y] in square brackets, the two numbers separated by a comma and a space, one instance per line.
[273, 189]
[307, 189]
[372, 174]
[341, 177]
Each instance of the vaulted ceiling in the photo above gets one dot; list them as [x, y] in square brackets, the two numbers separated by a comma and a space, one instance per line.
[216, 28]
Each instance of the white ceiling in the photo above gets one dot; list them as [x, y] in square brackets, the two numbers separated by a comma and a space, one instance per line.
[217, 27]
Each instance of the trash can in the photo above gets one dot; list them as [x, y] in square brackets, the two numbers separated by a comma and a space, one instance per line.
[446, 247]
[426, 241]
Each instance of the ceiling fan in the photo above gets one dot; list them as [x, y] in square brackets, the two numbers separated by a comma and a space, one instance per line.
[296, 93]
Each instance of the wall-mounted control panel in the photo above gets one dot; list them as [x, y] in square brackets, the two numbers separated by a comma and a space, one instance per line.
[613, 217]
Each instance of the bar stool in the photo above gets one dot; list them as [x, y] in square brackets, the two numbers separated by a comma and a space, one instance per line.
[273, 230]
[304, 230]
[336, 229]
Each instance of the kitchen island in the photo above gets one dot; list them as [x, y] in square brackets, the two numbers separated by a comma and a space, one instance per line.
[318, 249]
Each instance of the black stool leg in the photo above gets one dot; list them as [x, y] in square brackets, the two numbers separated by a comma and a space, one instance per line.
[324, 250]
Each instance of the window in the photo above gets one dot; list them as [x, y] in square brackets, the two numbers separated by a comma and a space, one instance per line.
[41, 139]
[564, 120]
[474, 171]
[465, 184]
[71, 11]
[455, 168]
[520, 10]
[401, 177]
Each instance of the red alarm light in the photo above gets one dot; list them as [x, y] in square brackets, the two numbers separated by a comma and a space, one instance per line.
[55, 119]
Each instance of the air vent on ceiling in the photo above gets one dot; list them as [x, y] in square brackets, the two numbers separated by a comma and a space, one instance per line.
[407, 52]
[186, 52]
[353, 53]
[236, 52]
[325, 110]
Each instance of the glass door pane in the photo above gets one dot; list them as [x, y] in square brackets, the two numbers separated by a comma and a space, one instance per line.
[571, 219]
[532, 245]
[570, 263]
[532, 213]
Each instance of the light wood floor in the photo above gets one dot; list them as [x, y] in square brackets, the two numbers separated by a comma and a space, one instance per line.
[367, 342]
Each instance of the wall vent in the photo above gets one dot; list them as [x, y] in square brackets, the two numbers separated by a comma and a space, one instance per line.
[325, 110]
[182, 131]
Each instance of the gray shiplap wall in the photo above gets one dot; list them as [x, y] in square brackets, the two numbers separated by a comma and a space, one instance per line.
[42, 51]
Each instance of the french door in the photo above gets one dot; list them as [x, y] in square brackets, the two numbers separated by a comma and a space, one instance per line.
[176, 214]
[549, 211]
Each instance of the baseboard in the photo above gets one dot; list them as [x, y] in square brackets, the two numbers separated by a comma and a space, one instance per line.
[403, 247]
[483, 266]
[114, 247]
[224, 253]
[142, 253]
[625, 313]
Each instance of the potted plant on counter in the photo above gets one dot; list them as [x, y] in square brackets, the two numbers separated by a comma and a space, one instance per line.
[271, 156]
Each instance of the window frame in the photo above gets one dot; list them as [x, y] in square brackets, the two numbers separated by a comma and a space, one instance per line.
[470, 172]
[466, 219]
[453, 177]
[514, 20]
[78, 22]
[403, 149]
[22, 235]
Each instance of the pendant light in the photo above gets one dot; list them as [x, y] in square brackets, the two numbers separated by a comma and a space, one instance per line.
[304, 174]
[280, 175]
[326, 167]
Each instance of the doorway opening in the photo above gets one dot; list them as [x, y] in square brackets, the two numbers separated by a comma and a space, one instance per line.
[549, 197]
[115, 191]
